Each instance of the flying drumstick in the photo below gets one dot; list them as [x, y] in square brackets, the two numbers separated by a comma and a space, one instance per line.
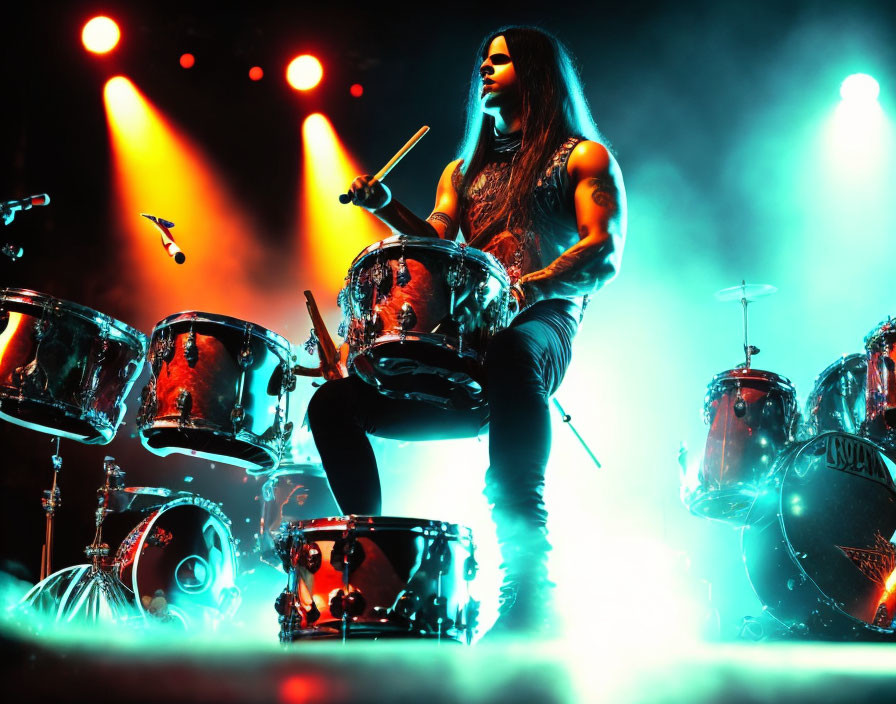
[399, 155]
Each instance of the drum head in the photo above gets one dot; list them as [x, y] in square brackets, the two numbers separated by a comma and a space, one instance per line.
[818, 537]
[184, 553]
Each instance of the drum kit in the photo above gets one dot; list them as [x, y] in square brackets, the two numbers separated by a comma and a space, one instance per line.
[814, 494]
[417, 316]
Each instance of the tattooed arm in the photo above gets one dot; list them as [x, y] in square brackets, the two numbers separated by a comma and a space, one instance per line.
[601, 219]
[376, 198]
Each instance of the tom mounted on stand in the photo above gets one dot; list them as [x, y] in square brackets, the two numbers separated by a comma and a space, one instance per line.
[752, 415]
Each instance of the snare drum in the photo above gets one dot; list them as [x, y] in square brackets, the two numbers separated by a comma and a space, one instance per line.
[880, 409]
[837, 401]
[418, 314]
[219, 390]
[65, 369]
[366, 577]
[751, 416]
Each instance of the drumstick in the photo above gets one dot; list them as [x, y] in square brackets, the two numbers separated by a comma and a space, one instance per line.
[391, 164]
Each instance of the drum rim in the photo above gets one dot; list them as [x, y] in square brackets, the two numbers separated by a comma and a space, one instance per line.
[485, 258]
[84, 312]
[379, 522]
[228, 321]
[752, 373]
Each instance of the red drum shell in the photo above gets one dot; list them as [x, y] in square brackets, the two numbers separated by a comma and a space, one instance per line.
[740, 450]
[410, 572]
[219, 390]
[880, 395]
[418, 316]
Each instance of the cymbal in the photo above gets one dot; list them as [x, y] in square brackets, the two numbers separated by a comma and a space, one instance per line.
[751, 292]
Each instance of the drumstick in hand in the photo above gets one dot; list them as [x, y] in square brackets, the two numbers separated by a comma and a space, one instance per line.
[399, 155]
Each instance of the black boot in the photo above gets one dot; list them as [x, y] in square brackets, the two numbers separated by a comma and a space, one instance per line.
[526, 602]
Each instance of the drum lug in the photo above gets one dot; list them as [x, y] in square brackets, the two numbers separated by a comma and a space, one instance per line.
[471, 568]
[246, 358]
[440, 554]
[342, 330]
[404, 275]
[382, 277]
[40, 329]
[310, 557]
[289, 380]
[456, 276]
[407, 318]
[184, 404]
[347, 553]
[406, 606]
[351, 605]
[148, 404]
[30, 379]
[237, 416]
[191, 351]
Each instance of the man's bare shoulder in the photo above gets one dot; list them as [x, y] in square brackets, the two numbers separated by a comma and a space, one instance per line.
[589, 159]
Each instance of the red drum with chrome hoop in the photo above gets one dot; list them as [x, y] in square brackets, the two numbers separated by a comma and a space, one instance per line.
[880, 408]
[219, 390]
[751, 416]
[65, 369]
[418, 314]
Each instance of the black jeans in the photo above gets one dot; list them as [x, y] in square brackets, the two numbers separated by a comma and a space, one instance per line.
[525, 364]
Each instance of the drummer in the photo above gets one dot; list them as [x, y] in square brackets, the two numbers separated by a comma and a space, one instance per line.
[535, 186]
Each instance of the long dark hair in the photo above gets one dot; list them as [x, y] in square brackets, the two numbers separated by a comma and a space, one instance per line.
[553, 108]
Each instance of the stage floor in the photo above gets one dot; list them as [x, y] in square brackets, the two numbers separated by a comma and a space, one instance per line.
[43, 667]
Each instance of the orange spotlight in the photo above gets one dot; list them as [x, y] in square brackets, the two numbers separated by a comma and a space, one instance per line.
[357, 90]
[304, 72]
[187, 60]
[157, 169]
[255, 73]
[100, 35]
[331, 234]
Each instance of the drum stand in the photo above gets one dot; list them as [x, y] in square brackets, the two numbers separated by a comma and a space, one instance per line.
[91, 592]
[749, 350]
[51, 501]
[101, 592]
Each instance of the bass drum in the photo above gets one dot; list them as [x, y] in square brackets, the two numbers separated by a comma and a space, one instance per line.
[837, 401]
[817, 544]
[181, 559]
[176, 566]
[65, 369]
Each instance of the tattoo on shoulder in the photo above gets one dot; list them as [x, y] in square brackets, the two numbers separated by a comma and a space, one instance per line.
[603, 191]
[440, 217]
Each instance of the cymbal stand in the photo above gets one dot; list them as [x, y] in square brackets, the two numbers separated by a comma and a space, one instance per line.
[749, 350]
[98, 551]
[51, 500]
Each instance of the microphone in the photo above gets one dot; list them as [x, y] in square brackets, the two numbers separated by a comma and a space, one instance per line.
[168, 242]
[9, 209]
